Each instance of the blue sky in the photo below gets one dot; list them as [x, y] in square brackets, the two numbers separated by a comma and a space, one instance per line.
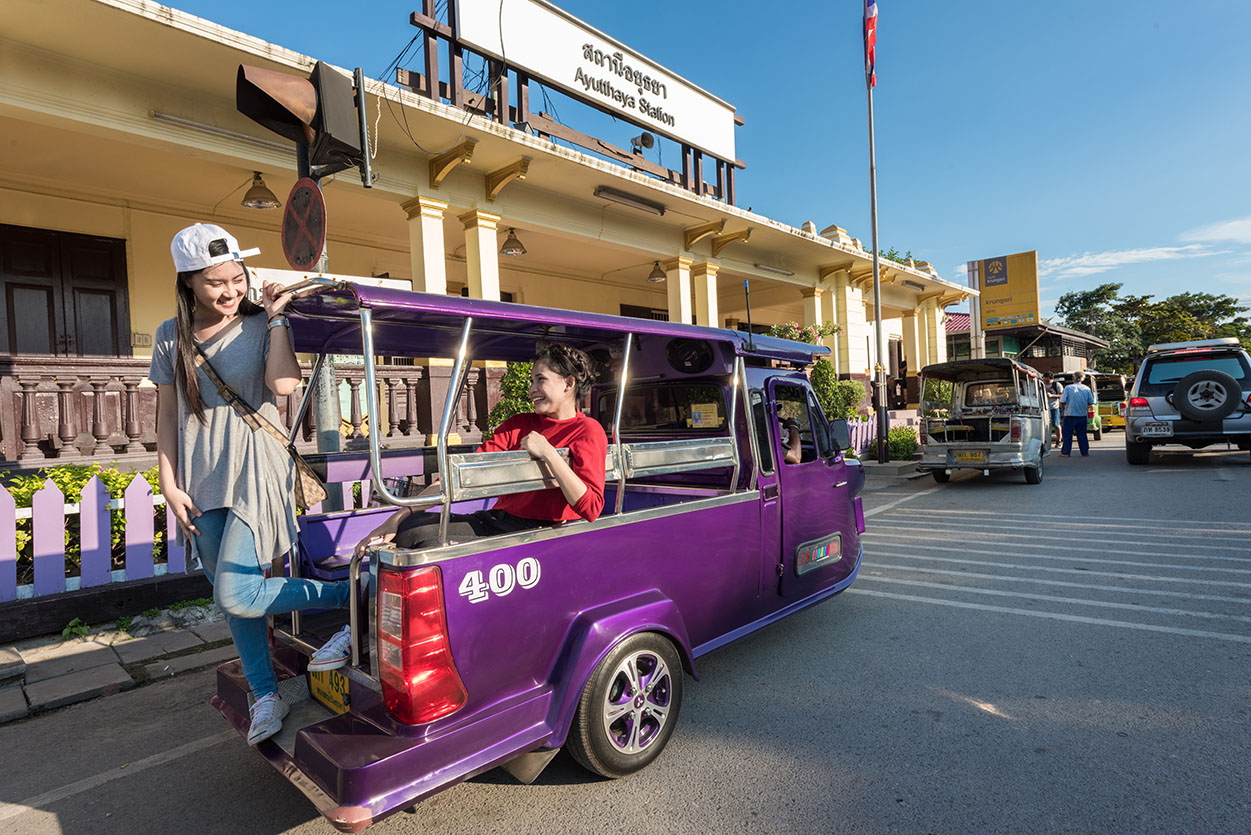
[1112, 137]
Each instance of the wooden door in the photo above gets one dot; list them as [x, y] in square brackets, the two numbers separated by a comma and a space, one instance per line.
[63, 293]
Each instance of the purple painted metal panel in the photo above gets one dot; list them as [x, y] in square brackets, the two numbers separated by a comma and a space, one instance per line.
[175, 555]
[329, 321]
[8, 547]
[139, 529]
[48, 521]
[859, 515]
[95, 533]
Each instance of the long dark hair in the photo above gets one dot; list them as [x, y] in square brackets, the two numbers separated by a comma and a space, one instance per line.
[569, 362]
[186, 379]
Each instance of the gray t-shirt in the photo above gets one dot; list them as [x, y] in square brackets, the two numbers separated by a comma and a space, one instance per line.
[222, 462]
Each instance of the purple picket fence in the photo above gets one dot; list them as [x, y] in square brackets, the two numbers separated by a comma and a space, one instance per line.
[44, 522]
[863, 435]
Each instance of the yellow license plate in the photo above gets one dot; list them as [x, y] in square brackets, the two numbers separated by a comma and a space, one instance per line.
[970, 456]
[330, 687]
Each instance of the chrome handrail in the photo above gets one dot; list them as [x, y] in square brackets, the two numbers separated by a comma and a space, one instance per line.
[738, 361]
[616, 422]
[460, 371]
[305, 399]
[354, 578]
[751, 425]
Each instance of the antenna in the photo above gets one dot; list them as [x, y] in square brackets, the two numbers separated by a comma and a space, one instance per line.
[750, 333]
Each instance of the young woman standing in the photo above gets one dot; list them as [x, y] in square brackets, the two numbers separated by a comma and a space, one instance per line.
[230, 488]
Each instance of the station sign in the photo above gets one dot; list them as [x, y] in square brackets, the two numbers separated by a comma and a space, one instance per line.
[560, 50]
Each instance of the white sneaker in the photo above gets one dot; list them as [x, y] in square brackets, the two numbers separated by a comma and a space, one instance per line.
[267, 714]
[334, 653]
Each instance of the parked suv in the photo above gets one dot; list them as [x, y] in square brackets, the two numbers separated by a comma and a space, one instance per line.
[1190, 393]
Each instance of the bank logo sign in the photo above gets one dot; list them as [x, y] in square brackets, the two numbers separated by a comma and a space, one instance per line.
[556, 48]
[1009, 285]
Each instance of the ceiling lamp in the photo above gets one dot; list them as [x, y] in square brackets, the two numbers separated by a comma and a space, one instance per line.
[512, 246]
[658, 274]
[259, 196]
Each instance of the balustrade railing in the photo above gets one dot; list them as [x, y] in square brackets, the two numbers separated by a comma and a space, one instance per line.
[75, 410]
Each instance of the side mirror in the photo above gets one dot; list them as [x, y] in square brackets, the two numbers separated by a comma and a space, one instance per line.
[840, 434]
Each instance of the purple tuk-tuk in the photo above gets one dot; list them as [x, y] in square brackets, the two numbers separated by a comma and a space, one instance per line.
[501, 651]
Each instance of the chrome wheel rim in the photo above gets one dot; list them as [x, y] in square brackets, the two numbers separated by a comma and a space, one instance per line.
[636, 707]
[1207, 395]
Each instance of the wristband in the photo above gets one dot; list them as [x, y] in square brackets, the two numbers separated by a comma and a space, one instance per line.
[280, 319]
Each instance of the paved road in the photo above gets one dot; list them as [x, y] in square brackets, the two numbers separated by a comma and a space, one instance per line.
[1071, 657]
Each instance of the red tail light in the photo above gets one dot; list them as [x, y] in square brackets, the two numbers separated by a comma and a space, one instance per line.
[1016, 430]
[1090, 413]
[419, 679]
[1138, 403]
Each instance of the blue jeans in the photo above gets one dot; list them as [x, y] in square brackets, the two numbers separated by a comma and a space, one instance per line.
[1075, 426]
[241, 590]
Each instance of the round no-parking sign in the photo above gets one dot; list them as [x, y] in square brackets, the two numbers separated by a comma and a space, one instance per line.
[304, 225]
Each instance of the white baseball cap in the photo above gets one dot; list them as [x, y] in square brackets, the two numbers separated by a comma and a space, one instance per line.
[190, 248]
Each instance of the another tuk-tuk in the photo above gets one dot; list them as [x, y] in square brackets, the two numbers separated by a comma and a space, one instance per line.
[1095, 413]
[983, 414]
[1112, 400]
[500, 651]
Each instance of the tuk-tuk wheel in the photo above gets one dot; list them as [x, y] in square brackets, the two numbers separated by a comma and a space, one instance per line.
[941, 476]
[629, 707]
[1034, 475]
[1099, 434]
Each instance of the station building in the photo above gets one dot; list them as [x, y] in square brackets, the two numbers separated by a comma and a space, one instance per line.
[119, 127]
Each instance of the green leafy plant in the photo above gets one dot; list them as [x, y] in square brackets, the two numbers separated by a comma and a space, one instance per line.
[812, 334]
[124, 622]
[187, 604]
[151, 613]
[901, 442]
[75, 628]
[514, 394]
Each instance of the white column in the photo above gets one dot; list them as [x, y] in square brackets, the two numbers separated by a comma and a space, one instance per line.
[425, 244]
[482, 259]
[829, 314]
[704, 279]
[678, 285]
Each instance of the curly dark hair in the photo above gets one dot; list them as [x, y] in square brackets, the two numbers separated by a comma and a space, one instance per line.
[569, 362]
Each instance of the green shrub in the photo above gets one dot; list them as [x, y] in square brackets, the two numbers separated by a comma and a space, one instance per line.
[514, 395]
[839, 399]
[901, 441]
[812, 334]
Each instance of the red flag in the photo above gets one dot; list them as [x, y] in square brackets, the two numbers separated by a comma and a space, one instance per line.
[870, 41]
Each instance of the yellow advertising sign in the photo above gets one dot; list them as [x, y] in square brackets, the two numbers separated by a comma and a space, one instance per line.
[1009, 286]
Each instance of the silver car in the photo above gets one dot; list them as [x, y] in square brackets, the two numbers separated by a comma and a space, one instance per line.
[1190, 393]
[983, 414]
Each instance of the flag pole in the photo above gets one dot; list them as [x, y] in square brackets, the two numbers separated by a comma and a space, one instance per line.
[879, 370]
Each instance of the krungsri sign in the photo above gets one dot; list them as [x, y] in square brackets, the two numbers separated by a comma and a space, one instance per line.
[562, 51]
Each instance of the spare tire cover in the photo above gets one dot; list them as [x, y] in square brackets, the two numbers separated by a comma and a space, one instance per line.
[1206, 396]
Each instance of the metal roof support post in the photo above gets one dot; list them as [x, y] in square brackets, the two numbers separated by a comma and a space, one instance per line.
[734, 391]
[306, 399]
[751, 425]
[616, 422]
[459, 372]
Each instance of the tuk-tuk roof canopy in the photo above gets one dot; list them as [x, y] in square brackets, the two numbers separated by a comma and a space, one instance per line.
[411, 324]
[980, 366]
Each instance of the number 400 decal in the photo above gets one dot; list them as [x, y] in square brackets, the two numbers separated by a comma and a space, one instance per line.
[500, 580]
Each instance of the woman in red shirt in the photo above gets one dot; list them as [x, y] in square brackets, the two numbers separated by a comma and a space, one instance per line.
[559, 380]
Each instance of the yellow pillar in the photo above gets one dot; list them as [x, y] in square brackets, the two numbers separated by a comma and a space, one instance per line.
[812, 306]
[912, 355]
[425, 244]
[704, 278]
[678, 285]
[940, 333]
[482, 261]
[830, 314]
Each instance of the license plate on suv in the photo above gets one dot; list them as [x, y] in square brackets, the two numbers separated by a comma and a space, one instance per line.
[1157, 429]
[970, 456]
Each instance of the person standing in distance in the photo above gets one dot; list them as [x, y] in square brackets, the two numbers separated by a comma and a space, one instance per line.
[1053, 390]
[1076, 402]
[230, 488]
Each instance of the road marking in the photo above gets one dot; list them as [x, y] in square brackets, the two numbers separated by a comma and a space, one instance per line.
[1082, 601]
[1008, 610]
[1233, 526]
[996, 529]
[1118, 531]
[929, 537]
[12, 810]
[1066, 559]
[889, 505]
[1066, 584]
[1118, 574]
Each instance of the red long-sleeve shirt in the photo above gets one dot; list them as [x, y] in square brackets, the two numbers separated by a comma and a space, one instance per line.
[587, 448]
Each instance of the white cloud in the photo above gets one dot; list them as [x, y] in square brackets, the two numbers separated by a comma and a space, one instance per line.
[1238, 229]
[1090, 263]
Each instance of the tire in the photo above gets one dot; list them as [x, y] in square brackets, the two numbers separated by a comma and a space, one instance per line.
[941, 476]
[1206, 396]
[1098, 434]
[629, 707]
[1034, 475]
[1137, 453]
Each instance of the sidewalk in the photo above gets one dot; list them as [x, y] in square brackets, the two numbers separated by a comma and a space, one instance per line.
[43, 673]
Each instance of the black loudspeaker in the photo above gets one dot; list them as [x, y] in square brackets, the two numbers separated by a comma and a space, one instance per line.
[690, 356]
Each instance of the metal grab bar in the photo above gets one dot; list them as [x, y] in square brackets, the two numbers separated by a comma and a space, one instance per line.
[354, 579]
[460, 371]
[616, 422]
[304, 401]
